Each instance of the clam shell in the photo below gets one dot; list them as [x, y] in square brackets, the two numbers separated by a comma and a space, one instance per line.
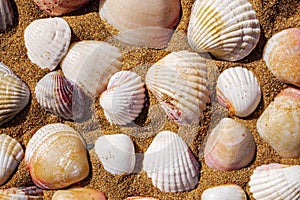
[229, 146]
[21, 193]
[238, 90]
[6, 14]
[276, 182]
[90, 64]
[178, 81]
[47, 41]
[279, 123]
[227, 29]
[78, 194]
[116, 153]
[170, 164]
[57, 157]
[142, 23]
[224, 192]
[124, 98]
[282, 55]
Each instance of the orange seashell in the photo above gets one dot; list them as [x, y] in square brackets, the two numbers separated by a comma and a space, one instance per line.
[78, 194]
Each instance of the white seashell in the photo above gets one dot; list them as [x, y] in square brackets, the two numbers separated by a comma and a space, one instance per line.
[178, 81]
[238, 90]
[6, 14]
[224, 192]
[116, 153]
[26, 193]
[228, 29]
[90, 64]
[170, 164]
[47, 41]
[124, 98]
[78, 193]
[276, 182]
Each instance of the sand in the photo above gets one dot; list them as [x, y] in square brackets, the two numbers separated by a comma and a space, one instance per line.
[86, 24]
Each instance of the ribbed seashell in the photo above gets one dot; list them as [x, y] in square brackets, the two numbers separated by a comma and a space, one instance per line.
[57, 157]
[140, 198]
[124, 98]
[78, 194]
[47, 41]
[116, 153]
[229, 146]
[279, 123]
[238, 90]
[14, 94]
[228, 29]
[170, 164]
[275, 181]
[90, 64]
[60, 96]
[282, 55]
[224, 192]
[178, 81]
[26, 193]
[142, 23]
[6, 14]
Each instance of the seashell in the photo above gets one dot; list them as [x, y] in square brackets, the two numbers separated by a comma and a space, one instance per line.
[25, 193]
[230, 146]
[275, 181]
[282, 55]
[90, 64]
[238, 90]
[228, 29]
[279, 123]
[11, 154]
[14, 94]
[140, 198]
[224, 192]
[78, 194]
[116, 153]
[124, 98]
[60, 96]
[6, 14]
[142, 23]
[170, 164]
[47, 41]
[57, 157]
[178, 81]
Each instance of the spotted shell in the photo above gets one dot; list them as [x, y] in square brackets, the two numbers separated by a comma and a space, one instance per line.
[6, 14]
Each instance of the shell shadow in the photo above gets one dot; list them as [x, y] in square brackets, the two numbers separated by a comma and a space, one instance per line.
[16, 13]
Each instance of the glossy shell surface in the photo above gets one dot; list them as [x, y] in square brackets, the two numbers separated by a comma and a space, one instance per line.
[6, 14]
[224, 192]
[78, 194]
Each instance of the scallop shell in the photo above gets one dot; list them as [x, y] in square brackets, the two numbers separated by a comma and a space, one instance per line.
[282, 55]
[14, 94]
[57, 157]
[238, 90]
[47, 41]
[170, 164]
[124, 98]
[116, 153]
[227, 29]
[90, 64]
[178, 81]
[60, 96]
[229, 146]
[279, 123]
[6, 14]
[78, 194]
[21, 193]
[276, 182]
[224, 192]
[142, 23]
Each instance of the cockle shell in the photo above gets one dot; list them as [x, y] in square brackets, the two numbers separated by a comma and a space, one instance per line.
[78, 194]
[228, 29]
[238, 90]
[279, 123]
[178, 81]
[229, 146]
[148, 23]
[14, 94]
[282, 55]
[116, 153]
[47, 41]
[224, 192]
[57, 157]
[124, 98]
[26, 193]
[6, 14]
[90, 64]
[170, 164]
[60, 96]
[275, 181]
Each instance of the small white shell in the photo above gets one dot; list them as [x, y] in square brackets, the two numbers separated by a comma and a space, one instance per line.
[170, 164]
[238, 91]
[47, 41]
[224, 192]
[26, 193]
[6, 14]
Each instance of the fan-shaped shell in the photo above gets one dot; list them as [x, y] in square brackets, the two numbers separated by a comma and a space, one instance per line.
[6, 14]
[224, 192]
[22, 193]
[178, 81]
[276, 182]
[238, 90]
[170, 164]
[228, 29]
[78, 194]
[47, 41]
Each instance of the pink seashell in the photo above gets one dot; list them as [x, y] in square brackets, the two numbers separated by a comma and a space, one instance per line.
[78, 194]
[21, 193]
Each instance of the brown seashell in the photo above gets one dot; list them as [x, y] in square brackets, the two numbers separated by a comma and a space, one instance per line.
[78, 194]
[26, 193]
[6, 14]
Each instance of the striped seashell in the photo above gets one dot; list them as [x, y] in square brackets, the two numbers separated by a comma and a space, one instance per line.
[6, 14]
[26, 193]
[224, 192]
[78, 193]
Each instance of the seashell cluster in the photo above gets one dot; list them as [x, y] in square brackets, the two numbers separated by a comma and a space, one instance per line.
[178, 81]
[78, 194]
[6, 14]
[224, 192]
[22, 193]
